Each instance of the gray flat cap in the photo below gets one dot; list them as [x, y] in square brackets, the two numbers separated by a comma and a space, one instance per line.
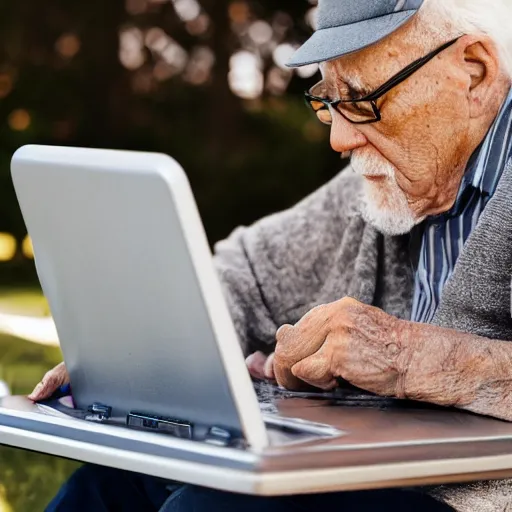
[347, 26]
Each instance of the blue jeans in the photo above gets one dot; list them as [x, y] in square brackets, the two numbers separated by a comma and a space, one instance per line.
[99, 489]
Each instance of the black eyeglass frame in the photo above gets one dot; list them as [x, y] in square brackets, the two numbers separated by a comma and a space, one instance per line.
[395, 80]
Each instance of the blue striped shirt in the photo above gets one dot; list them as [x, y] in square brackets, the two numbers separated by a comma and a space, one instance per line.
[444, 235]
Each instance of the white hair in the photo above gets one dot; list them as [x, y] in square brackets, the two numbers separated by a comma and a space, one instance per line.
[451, 18]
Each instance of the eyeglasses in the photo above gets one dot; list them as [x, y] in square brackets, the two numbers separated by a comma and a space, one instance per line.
[364, 110]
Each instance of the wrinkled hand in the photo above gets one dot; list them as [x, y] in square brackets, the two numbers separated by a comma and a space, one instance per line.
[52, 381]
[260, 366]
[348, 340]
[390, 357]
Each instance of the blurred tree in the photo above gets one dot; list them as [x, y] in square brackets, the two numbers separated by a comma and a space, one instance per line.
[202, 80]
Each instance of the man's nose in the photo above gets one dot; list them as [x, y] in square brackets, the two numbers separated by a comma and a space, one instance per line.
[345, 136]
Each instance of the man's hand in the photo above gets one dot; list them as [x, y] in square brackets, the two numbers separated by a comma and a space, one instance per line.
[346, 339]
[391, 357]
[51, 382]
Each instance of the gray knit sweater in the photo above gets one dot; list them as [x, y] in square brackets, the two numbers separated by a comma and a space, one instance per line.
[322, 250]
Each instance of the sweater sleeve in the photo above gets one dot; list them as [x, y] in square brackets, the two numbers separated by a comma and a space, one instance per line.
[272, 271]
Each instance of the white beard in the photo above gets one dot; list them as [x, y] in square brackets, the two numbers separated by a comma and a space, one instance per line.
[385, 205]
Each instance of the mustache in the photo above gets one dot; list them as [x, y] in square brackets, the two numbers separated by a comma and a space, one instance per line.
[369, 163]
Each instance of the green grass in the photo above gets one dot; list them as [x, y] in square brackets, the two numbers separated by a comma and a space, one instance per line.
[27, 480]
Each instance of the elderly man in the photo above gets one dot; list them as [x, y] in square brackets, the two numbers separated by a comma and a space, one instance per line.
[396, 275]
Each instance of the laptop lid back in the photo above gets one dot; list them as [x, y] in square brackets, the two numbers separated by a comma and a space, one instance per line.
[124, 262]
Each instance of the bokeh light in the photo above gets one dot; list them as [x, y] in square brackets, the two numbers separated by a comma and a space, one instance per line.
[170, 56]
[4, 505]
[27, 248]
[68, 45]
[245, 77]
[249, 75]
[156, 39]
[282, 54]
[278, 80]
[7, 247]
[174, 55]
[260, 32]
[200, 65]
[239, 12]
[307, 71]
[19, 120]
[311, 17]
[198, 26]
[187, 10]
[131, 52]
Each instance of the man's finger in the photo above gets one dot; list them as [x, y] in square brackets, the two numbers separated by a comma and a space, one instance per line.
[53, 379]
[284, 333]
[286, 379]
[37, 392]
[316, 370]
[298, 342]
[268, 368]
[43, 390]
[255, 364]
[307, 336]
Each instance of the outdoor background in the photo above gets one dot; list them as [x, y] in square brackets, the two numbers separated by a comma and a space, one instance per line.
[201, 80]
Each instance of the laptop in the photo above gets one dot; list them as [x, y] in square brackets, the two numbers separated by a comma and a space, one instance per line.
[158, 376]
[124, 262]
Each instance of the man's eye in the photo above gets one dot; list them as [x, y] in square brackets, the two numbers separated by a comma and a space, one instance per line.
[359, 107]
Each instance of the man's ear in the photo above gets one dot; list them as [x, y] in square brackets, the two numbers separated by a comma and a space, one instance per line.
[481, 60]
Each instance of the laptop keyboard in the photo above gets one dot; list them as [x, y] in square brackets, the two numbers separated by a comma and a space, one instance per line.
[344, 396]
